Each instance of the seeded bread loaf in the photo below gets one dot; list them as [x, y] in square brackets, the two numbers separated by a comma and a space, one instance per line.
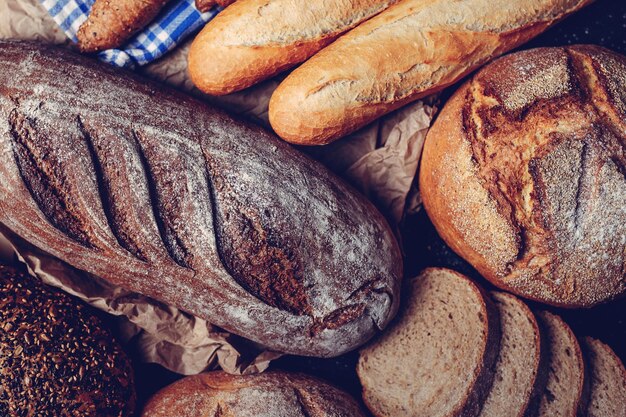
[438, 358]
[567, 391]
[56, 358]
[163, 195]
[255, 39]
[263, 395]
[412, 49]
[112, 22]
[522, 174]
[521, 369]
[607, 380]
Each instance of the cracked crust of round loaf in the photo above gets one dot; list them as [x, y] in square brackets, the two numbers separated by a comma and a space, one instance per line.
[523, 174]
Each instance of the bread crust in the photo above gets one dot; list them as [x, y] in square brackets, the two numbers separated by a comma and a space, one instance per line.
[160, 194]
[267, 394]
[112, 22]
[253, 40]
[409, 51]
[522, 174]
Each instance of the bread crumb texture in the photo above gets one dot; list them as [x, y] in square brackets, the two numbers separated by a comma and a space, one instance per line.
[564, 395]
[608, 380]
[518, 360]
[429, 362]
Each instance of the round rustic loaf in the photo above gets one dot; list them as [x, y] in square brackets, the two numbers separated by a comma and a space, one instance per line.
[523, 174]
[56, 359]
[264, 395]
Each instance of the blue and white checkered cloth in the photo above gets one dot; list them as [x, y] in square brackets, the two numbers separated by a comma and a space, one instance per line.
[177, 20]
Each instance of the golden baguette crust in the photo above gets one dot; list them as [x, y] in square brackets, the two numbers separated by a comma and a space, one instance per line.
[413, 49]
[523, 174]
[255, 39]
[112, 22]
[263, 395]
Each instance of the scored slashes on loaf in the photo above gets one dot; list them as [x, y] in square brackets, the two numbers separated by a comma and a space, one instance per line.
[162, 195]
[523, 174]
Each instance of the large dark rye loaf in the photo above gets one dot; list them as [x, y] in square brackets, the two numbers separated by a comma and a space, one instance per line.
[162, 195]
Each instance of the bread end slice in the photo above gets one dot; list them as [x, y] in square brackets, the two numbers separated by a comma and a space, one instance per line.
[438, 358]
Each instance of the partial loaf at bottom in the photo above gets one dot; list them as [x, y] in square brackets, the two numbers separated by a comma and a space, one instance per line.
[265, 395]
[57, 358]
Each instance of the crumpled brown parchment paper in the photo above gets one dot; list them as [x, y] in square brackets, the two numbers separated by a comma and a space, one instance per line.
[379, 160]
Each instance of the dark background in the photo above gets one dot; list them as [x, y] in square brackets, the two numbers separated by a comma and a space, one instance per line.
[602, 23]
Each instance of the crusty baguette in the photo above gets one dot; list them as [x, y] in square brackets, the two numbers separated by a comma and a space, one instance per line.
[438, 357]
[413, 49]
[269, 394]
[522, 174]
[255, 39]
[162, 195]
[205, 5]
[112, 22]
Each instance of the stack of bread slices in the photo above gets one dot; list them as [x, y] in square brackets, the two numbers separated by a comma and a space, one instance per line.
[456, 350]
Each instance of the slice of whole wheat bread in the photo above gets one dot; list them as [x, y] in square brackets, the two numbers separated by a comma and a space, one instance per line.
[438, 358]
[521, 370]
[565, 394]
[607, 380]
